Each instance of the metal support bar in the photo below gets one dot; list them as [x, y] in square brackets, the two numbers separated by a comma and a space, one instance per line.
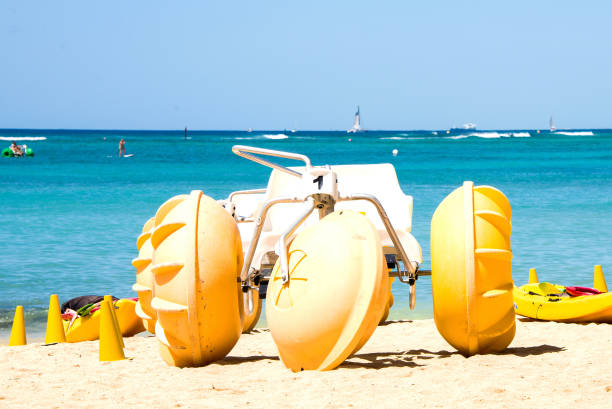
[244, 274]
[244, 192]
[284, 263]
[245, 152]
[250, 302]
[419, 273]
[390, 230]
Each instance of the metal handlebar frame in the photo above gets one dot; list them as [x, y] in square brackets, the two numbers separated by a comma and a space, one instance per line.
[324, 202]
[245, 152]
[244, 192]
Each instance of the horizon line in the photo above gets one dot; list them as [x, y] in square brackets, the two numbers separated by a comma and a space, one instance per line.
[290, 130]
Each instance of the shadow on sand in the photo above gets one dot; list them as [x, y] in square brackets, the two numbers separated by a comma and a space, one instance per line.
[380, 360]
[531, 351]
[394, 322]
[233, 360]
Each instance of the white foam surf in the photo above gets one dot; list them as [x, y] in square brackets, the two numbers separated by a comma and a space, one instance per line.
[574, 133]
[491, 135]
[23, 138]
[277, 136]
[259, 137]
[399, 138]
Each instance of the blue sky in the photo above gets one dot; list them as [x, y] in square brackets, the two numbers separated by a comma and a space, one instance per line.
[281, 64]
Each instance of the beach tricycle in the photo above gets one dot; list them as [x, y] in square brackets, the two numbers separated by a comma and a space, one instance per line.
[322, 245]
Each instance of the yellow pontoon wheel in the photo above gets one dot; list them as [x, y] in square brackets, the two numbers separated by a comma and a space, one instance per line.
[472, 271]
[378, 306]
[335, 295]
[251, 314]
[196, 265]
[390, 301]
[144, 277]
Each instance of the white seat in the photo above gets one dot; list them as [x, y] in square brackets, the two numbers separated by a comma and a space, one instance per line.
[380, 180]
[247, 206]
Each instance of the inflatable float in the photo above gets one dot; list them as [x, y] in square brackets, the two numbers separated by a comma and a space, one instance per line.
[86, 327]
[322, 245]
[553, 302]
[8, 153]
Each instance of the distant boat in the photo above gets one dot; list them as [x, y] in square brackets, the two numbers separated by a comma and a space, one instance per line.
[465, 128]
[250, 130]
[552, 126]
[356, 124]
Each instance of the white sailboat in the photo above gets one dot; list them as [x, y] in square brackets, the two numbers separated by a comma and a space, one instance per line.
[553, 128]
[356, 124]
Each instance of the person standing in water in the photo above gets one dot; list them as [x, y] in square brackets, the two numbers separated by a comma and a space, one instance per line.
[122, 147]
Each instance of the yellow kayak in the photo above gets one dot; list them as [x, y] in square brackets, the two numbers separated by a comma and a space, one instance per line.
[88, 328]
[551, 302]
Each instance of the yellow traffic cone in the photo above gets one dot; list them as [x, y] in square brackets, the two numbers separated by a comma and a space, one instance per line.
[109, 298]
[18, 332]
[599, 281]
[109, 344]
[55, 328]
[533, 276]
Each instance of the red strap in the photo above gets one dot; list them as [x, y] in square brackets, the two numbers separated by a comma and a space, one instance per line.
[578, 291]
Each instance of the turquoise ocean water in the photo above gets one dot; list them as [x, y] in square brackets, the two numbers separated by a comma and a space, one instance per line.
[71, 214]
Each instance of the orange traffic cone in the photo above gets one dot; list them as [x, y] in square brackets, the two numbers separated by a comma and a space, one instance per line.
[110, 343]
[599, 281]
[18, 332]
[109, 298]
[55, 327]
[533, 276]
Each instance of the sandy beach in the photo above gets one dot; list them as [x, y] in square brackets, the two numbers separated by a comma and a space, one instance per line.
[404, 364]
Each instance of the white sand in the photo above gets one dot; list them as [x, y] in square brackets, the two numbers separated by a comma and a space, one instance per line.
[405, 364]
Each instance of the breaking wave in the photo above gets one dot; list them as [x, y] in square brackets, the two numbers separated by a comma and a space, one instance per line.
[491, 135]
[257, 137]
[399, 138]
[23, 138]
[277, 136]
[575, 133]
